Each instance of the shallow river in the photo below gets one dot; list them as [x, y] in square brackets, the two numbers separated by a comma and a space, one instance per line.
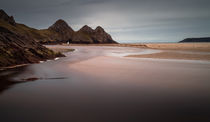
[98, 84]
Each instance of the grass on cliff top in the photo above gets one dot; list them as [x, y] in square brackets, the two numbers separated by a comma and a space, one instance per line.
[25, 30]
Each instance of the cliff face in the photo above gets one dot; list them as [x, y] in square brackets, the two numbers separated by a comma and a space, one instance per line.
[18, 48]
[205, 39]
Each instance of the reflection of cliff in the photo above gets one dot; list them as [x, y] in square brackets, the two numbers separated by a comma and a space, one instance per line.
[6, 78]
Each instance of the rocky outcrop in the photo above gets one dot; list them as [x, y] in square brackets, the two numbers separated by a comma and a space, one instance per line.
[18, 48]
[5, 17]
[101, 36]
[205, 39]
[63, 31]
[61, 27]
[87, 35]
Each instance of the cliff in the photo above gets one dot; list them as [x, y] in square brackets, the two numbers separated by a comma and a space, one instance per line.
[205, 39]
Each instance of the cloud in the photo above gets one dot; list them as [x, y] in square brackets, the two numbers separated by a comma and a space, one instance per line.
[125, 20]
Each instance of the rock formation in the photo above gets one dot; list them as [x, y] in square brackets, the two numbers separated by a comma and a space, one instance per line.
[62, 29]
[101, 36]
[5, 17]
[88, 35]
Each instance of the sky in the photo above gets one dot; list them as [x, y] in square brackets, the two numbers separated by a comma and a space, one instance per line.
[128, 21]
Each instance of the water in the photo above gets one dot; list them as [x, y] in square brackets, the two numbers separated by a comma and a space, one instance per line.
[92, 84]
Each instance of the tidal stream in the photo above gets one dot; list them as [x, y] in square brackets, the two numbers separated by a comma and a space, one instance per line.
[98, 84]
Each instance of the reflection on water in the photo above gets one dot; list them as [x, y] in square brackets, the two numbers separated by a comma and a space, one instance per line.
[6, 80]
[158, 92]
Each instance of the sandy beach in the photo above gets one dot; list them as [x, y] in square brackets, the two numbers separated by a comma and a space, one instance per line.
[175, 55]
[201, 47]
[204, 47]
[184, 51]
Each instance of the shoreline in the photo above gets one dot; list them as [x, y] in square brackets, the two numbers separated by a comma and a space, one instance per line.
[180, 51]
[173, 55]
[199, 46]
[169, 51]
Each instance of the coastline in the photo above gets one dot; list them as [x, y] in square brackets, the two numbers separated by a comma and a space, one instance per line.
[182, 51]
[174, 55]
[191, 51]
[202, 47]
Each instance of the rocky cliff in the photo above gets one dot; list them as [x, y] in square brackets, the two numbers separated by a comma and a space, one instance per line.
[205, 39]
[16, 47]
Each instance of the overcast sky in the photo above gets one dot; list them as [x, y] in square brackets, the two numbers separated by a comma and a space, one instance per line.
[126, 20]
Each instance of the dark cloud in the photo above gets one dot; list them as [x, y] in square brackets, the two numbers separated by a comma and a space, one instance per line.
[126, 20]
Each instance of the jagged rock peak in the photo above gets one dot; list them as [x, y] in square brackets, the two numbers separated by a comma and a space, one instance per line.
[99, 29]
[86, 29]
[2, 12]
[5, 17]
[60, 25]
[60, 22]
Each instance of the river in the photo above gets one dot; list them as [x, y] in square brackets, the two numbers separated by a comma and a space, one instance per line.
[98, 84]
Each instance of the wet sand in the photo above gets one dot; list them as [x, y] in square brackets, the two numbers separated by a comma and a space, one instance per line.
[187, 51]
[100, 84]
[200, 47]
[175, 55]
